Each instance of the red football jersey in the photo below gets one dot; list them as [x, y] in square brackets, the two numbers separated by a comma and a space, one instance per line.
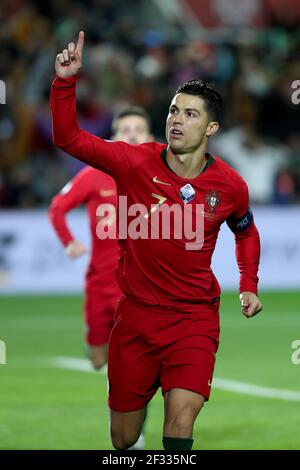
[93, 188]
[158, 271]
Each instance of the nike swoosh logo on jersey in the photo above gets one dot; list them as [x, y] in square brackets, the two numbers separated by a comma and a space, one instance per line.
[107, 192]
[156, 180]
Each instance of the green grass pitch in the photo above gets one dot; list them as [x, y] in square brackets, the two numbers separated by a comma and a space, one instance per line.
[43, 407]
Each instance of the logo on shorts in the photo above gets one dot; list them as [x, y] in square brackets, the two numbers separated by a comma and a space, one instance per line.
[209, 383]
[213, 200]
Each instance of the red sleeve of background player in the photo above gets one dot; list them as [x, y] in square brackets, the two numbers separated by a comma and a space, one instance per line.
[75, 193]
[113, 158]
[246, 240]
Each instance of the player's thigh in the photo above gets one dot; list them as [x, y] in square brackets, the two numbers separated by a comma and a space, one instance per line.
[133, 364]
[190, 366]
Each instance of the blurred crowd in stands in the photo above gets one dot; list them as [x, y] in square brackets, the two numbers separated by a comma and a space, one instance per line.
[128, 61]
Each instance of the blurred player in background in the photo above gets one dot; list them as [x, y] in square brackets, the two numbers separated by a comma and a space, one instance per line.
[166, 331]
[94, 188]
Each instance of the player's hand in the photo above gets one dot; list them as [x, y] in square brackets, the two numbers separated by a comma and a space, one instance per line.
[75, 249]
[251, 304]
[69, 61]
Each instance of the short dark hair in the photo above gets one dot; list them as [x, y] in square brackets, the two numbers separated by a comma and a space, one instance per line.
[130, 111]
[212, 99]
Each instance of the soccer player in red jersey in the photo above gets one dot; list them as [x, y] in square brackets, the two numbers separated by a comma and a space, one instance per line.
[166, 331]
[94, 188]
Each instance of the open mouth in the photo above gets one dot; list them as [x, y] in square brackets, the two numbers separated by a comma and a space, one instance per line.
[175, 132]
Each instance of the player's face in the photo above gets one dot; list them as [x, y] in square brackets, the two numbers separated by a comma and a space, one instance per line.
[187, 123]
[133, 130]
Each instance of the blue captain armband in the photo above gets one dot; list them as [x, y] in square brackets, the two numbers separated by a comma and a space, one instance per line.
[242, 223]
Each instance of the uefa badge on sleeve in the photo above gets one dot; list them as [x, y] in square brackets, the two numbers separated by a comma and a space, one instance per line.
[187, 193]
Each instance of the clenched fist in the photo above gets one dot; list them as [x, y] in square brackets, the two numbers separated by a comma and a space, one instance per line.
[75, 249]
[69, 61]
[251, 305]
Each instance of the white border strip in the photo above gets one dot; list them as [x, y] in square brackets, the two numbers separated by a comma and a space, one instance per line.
[74, 363]
[84, 365]
[256, 390]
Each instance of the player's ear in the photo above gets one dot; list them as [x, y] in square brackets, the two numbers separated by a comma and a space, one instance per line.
[212, 128]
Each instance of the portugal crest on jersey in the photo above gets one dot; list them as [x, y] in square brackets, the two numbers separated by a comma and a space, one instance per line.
[212, 199]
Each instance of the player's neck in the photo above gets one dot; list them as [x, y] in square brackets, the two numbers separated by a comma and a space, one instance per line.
[187, 165]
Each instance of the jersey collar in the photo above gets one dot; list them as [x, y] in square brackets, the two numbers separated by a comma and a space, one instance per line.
[208, 157]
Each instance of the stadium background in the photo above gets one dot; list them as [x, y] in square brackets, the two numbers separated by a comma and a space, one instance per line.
[137, 51]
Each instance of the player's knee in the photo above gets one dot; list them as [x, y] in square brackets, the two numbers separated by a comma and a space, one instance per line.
[98, 363]
[180, 422]
[181, 426]
[98, 356]
[123, 440]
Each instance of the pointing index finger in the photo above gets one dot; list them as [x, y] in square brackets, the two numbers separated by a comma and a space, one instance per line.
[80, 43]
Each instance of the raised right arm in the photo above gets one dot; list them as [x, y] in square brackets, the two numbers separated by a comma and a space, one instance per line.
[104, 155]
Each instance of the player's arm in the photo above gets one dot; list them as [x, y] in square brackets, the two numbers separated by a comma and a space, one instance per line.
[104, 155]
[75, 193]
[247, 250]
